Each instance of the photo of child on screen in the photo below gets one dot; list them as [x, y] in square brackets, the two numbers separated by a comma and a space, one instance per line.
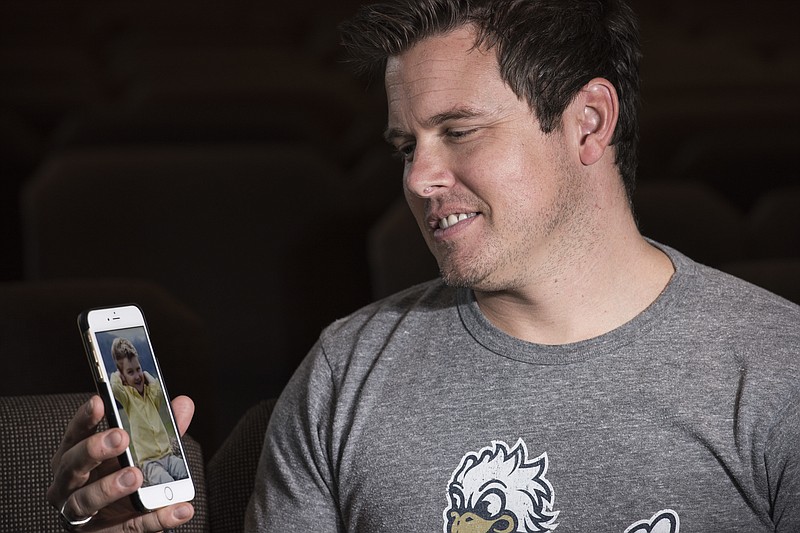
[142, 398]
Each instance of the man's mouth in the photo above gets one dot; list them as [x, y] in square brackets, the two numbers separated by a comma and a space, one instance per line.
[454, 219]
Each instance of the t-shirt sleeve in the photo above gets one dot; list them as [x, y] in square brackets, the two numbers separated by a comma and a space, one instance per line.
[783, 468]
[295, 484]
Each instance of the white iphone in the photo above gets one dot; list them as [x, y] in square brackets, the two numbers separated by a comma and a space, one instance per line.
[130, 382]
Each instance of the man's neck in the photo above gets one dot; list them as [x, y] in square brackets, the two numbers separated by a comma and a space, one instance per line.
[609, 283]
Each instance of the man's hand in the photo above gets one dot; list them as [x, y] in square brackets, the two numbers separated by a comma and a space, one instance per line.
[88, 481]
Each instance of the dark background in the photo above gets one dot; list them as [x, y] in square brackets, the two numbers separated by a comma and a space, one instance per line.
[217, 164]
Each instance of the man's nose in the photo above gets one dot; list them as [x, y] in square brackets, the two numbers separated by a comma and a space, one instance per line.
[427, 173]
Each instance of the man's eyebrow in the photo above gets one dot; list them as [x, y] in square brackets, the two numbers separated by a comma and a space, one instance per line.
[436, 120]
[453, 114]
[394, 133]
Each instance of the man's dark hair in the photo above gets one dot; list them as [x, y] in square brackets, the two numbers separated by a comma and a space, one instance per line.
[547, 51]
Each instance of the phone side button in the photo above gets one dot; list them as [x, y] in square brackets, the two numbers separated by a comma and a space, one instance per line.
[168, 493]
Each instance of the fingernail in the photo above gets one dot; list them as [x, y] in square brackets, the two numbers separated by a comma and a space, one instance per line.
[89, 407]
[113, 439]
[128, 479]
[182, 512]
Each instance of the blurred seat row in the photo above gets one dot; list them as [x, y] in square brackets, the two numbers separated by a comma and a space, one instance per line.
[263, 242]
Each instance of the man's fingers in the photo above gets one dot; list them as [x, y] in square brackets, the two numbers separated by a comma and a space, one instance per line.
[110, 494]
[183, 409]
[88, 500]
[85, 456]
[83, 424]
[77, 463]
[162, 519]
[168, 517]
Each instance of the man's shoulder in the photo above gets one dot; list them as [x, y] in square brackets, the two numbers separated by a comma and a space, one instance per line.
[719, 313]
[760, 328]
[713, 291]
[742, 299]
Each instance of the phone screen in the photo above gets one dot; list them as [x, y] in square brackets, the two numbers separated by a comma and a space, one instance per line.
[129, 377]
[139, 396]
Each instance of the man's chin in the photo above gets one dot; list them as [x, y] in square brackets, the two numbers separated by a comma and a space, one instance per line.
[459, 269]
[455, 281]
[473, 279]
[457, 278]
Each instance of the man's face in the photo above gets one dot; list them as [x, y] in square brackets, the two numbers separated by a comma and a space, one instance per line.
[495, 197]
[132, 374]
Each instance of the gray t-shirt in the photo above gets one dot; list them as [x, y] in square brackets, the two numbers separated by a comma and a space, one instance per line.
[416, 414]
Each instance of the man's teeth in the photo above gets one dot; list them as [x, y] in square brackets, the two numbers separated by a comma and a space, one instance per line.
[450, 220]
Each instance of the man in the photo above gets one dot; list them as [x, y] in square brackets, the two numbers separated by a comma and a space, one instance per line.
[142, 399]
[568, 373]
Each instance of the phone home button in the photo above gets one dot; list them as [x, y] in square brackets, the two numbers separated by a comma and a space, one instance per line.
[168, 493]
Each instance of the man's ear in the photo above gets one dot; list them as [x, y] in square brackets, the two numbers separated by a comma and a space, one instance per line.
[598, 110]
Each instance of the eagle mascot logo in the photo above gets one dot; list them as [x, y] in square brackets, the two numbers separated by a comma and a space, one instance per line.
[498, 490]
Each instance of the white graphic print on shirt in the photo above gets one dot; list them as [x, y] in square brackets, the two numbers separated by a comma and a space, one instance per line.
[500, 489]
[666, 521]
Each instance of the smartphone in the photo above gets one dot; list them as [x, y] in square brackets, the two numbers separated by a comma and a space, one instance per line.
[130, 381]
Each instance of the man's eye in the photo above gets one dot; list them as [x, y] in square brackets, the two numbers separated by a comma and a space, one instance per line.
[459, 134]
[405, 152]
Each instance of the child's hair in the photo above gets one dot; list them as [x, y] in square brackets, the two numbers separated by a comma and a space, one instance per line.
[123, 349]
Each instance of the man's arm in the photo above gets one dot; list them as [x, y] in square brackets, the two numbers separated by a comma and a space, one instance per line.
[295, 488]
[782, 455]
